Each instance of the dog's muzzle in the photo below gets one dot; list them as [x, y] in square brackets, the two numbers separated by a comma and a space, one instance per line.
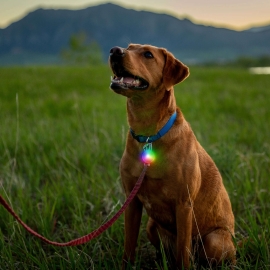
[123, 79]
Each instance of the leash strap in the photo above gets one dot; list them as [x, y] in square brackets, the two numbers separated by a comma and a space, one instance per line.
[162, 132]
[86, 238]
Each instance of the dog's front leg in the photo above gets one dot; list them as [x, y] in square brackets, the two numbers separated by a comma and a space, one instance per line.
[184, 231]
[133, 216]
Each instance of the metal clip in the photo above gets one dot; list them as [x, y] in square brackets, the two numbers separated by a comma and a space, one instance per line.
[147, 146]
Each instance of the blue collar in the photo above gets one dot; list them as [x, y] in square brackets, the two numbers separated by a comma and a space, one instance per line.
[162, 132]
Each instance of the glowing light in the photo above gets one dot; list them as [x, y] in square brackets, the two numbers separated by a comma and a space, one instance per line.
[148, 156]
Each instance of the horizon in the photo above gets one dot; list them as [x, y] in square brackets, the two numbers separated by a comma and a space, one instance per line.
[6, 21]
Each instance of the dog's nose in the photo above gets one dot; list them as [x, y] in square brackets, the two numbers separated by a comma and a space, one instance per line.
[117, 51]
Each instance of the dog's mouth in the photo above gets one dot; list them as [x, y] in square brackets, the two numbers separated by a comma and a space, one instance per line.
[126, 80]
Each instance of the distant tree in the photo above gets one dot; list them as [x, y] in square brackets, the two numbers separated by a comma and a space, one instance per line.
[81, 52]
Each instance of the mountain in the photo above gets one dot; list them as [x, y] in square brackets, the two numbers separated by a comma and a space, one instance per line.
[42, 34]
[259, 28]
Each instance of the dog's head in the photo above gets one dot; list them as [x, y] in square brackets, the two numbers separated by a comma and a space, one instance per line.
[144, 68]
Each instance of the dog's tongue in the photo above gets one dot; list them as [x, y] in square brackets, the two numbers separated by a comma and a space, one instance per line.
[128, 80]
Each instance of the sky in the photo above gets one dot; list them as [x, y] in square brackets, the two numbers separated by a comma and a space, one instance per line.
[234, 14]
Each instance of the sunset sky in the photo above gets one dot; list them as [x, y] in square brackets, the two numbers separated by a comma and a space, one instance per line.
[235, 14]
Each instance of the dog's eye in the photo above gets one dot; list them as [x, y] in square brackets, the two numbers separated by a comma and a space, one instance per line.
[148, 55]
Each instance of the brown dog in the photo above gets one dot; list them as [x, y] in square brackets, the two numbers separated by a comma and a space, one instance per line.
[182, 192]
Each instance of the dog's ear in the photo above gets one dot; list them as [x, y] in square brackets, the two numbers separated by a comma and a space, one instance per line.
[174, 71]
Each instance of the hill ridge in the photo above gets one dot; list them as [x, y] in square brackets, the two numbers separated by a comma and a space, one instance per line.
[47, 32]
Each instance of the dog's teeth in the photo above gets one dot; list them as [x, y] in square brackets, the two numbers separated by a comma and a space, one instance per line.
[111, 78]
[122, 80]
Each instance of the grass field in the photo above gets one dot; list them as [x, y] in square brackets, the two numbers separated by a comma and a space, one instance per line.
[62, 135]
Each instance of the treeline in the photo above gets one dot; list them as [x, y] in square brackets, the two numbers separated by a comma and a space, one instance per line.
[244, 62]
[83, 50]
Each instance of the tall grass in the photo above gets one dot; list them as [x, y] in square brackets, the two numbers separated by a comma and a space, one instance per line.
[62, 136]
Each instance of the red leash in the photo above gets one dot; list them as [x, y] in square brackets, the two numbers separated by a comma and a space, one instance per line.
[90, 236]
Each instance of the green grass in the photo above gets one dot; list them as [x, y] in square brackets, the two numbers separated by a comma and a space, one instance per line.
[62, 135]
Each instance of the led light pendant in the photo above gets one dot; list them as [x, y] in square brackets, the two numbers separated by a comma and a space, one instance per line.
[148, 155]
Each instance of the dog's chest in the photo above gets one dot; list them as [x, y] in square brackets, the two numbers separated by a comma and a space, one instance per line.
[158, 201]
